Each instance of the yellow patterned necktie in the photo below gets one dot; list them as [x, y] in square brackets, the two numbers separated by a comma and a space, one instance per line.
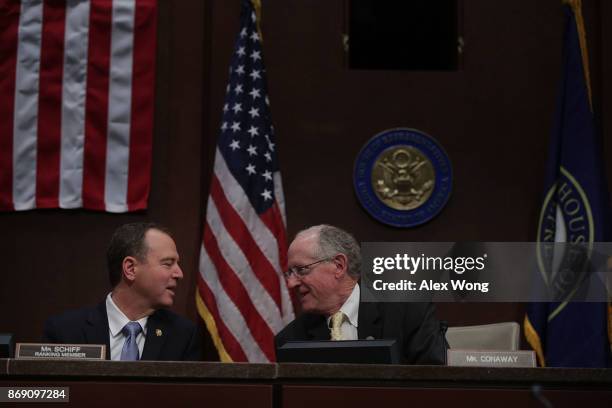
[336, 325]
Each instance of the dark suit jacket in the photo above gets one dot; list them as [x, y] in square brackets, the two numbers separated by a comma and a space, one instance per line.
[180, 339]
[418, 333]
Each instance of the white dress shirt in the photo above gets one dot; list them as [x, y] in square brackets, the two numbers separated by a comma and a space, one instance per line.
[351, 309]
[116, 322]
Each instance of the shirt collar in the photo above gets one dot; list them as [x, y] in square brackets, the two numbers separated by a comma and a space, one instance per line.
[117, 320]
[351, 307]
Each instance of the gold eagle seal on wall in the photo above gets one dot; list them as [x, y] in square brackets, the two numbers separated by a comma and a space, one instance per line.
[403, 177]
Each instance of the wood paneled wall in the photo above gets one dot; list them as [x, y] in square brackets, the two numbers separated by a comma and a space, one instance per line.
[492, 116]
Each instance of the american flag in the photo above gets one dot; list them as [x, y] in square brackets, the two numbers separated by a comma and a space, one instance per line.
[76, 103]
[242, 296]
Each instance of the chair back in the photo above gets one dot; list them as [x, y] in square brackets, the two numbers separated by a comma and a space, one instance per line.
[496, 336]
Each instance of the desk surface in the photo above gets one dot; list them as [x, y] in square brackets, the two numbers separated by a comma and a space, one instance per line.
[100, 383]
[13, 368]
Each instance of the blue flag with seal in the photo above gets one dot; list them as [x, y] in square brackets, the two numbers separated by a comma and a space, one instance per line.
[576, 208]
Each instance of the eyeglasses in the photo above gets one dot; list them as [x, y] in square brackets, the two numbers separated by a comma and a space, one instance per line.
[301, 271]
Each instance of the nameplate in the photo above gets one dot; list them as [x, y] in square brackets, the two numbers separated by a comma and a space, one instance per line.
[490, 358]
[61, 351]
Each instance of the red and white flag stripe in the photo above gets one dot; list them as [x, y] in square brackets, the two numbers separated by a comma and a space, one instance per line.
[240, 270]
[76, 103]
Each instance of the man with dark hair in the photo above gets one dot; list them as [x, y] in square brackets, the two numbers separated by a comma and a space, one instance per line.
[133, 321]
[324, 270]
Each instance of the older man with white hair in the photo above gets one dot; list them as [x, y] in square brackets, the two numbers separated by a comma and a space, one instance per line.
[324, 269]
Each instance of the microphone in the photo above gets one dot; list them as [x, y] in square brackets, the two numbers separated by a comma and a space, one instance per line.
[536, 392]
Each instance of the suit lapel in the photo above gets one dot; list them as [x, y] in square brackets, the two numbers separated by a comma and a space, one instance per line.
[370, 321]
[96, 331]
[316, 328]
[156, 334]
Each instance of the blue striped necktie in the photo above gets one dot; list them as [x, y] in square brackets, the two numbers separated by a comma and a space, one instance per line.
[130, 347]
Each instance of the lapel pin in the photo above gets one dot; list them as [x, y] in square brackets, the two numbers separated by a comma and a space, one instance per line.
[158, 332]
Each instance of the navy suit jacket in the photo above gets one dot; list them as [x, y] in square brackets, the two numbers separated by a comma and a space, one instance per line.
[419, 334]
[179, 341]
